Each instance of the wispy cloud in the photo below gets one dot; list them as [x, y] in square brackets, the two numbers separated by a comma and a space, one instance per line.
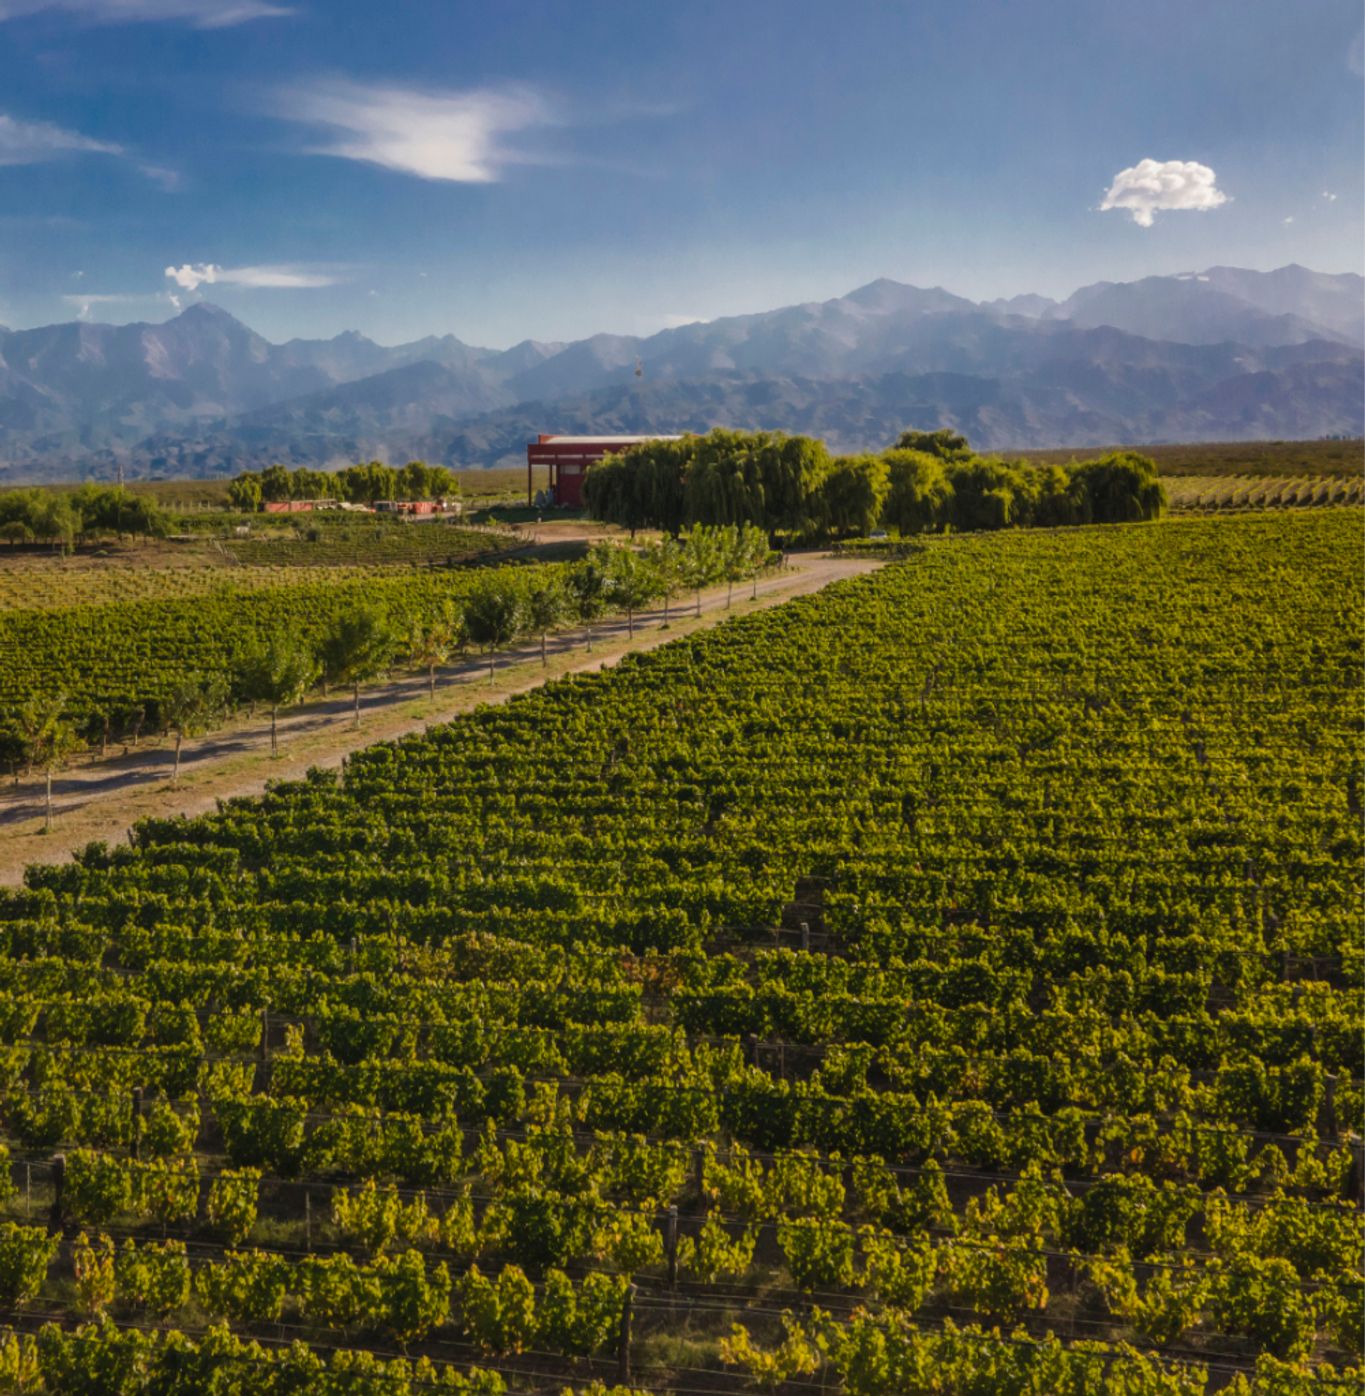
[457, 136]
[1329, 196]
[85, 304]
[35, 142]
[202, 14]
[32, 142]
[192, 275]
[1153, 186]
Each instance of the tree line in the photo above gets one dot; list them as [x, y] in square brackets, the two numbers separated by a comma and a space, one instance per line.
[63, 518]
[277, 669]
[356, 484]
[927, 482]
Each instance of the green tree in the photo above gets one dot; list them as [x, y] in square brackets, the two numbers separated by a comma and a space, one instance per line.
[244, 493]
[493, 617]
[701, 557]
[195, 704]
[359, 647]
[275, 484]
[1121, 487]
[945, 443]
[277, 671]
[53, 519]
[434, 639]
[665, 558]
[634, 583]
[546, 605]
[48, 742]
[918, 490]
[588, 588]
[852, 494]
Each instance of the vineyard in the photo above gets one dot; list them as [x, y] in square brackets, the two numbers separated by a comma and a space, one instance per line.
[945, 983]
[116, 654]
[49, 581]
[1208, 492]
[369, 544]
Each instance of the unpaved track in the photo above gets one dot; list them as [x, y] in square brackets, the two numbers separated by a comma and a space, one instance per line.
[102, 800]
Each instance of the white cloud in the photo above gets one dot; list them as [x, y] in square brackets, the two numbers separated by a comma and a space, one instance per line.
[192, 275]
[1290, 219]
[1329, 196]
[31, 142]
[435, 135]
[34, 142]
[1151, 186]
[202, 14]
[85, 304]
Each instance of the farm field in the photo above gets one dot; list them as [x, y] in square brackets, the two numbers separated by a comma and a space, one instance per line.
[103, 798]
[113, 654]
[1209, 492]
[950, 978]
[40, 579]
[1292, 458]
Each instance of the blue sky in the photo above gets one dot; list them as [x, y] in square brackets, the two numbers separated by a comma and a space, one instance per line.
[551, 168]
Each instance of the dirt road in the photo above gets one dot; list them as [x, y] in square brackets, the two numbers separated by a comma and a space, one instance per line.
[102, 800]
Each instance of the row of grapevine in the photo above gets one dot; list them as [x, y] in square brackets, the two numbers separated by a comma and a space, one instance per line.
[974, 943]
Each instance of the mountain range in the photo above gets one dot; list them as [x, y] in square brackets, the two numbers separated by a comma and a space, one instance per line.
[1224, 354]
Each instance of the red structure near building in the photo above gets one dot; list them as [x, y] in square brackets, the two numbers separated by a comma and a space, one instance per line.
[569, 458]
[296, 506]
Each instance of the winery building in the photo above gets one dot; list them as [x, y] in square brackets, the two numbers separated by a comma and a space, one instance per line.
[569, 457]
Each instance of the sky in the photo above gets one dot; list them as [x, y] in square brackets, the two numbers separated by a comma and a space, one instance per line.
[511, 169]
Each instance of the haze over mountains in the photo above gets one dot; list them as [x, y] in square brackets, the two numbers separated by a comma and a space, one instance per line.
[1225, 354]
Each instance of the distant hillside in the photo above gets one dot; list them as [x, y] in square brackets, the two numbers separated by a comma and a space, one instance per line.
[1226, 354]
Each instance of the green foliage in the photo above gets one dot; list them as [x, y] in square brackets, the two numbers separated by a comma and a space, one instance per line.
[978, 936]
[359, 647]
[853, 494]
[25, 1254]
[927, 481]
[98, 1186]
[232, 1202]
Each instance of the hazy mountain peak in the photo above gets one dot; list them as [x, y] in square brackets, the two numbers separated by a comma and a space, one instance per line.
[886, 297]
[205, 312]
[1222, 354]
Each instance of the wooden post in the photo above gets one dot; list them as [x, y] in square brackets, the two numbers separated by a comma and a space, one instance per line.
[805, 935]
[1355, 1180]
[265, 1036]
[28, 1191]
[1327, 1120]
[54, 1220]
[308, 1217]
[137, 1122]
[623, 1338]
[671, 1246]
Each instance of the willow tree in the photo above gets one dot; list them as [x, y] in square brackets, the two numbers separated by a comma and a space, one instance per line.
[852, 494]
[1121, 487]
[918, 491]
